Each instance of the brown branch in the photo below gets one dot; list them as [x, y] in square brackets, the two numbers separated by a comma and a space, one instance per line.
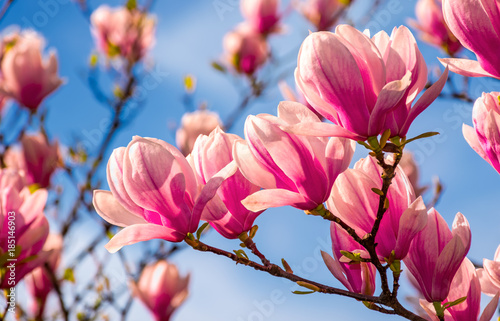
[55, 284]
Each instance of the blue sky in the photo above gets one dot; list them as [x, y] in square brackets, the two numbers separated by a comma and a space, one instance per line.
[189, 37]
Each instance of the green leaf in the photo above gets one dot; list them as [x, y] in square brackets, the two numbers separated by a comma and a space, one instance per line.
[241, 254]
[424, 135]
[453, 303]
[201, 229]
[69, 275]
[131, 4]
[253, 231]
[303, 292]
[286, 266]
[218, 67]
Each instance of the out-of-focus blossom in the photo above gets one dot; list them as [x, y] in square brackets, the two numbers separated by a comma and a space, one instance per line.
[261, 15]
[25, 75]
[436, 254]
[245, 50]
[37, 159]
[353, 200]
[23, 227]
[161, 289]
[323, 14]
[293, 170]
[358, 277]
[154, 193]
[466, 285]
[433, 28]
[225, 211]
[123, 32]
[489, 275]
[476, 24]
[410, 168]
[484, 138]
[38, 282]
[364, 86]
[200, 122]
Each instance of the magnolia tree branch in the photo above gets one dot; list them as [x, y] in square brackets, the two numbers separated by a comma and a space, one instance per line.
[277, 271]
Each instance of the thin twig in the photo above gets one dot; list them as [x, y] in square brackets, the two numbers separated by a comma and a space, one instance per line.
[55, 284]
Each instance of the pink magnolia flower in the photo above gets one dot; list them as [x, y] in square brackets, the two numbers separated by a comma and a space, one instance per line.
[358, 277]
[323, 14]
[161, 289]
[353, 200]
[476, 24]
[225, 211]
[293, 170]
[433, 28]
[154, 193]
[489, 275]
[123, 32]
[436, 254]
[385, 76]
[37, 159]
[464, 284]
[22, 220]
[245, 50]
[262, 15]
[290, 95]
[38, 282]
[200, 122]
[25, 75]
[485, 139]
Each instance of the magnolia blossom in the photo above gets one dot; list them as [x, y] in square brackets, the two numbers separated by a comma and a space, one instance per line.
[386, 74]
[154, 193]
[323, 14]
[37, 159]
[261, 15]
[489, 275]
[358, 277]
[476, 25]
[200, 122]
[38, 282]
[25, 75]
[436, 254]
[464, 284]
[21, 216]
[433, 28]
[225, 211]
[353, 200]
[293, 170]
[123, 32]
[161, 289]
[290, 95]
[484, 138]
[245, 50]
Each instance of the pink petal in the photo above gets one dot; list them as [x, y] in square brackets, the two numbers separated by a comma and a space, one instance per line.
[322, 130]
[388, 99]
[412, 221]
[108, 207]
[425, 100]
[470, 136]
[142, 232]
[466, 67]
[490, 309]
[250, 167]
[267, 198]
[336, 269]
[487, 285]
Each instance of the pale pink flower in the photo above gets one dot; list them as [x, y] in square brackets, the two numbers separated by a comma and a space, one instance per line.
[37, 159]
[245, 50]
[323, 14]
[200, 122]
[224, 212]
[364, 86]
[261, 15]
[123, 32]
[38, 282]
[489, 275]
[476, 24]
[436, 254]
[293, 170]
[358, 277]
[161, 289]
[30, 227]
[25, 75]
[154, 193]
[410, 168]
[353, 200]
[290, 95]
[485, 139]
[464, 284]
[433, 29]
